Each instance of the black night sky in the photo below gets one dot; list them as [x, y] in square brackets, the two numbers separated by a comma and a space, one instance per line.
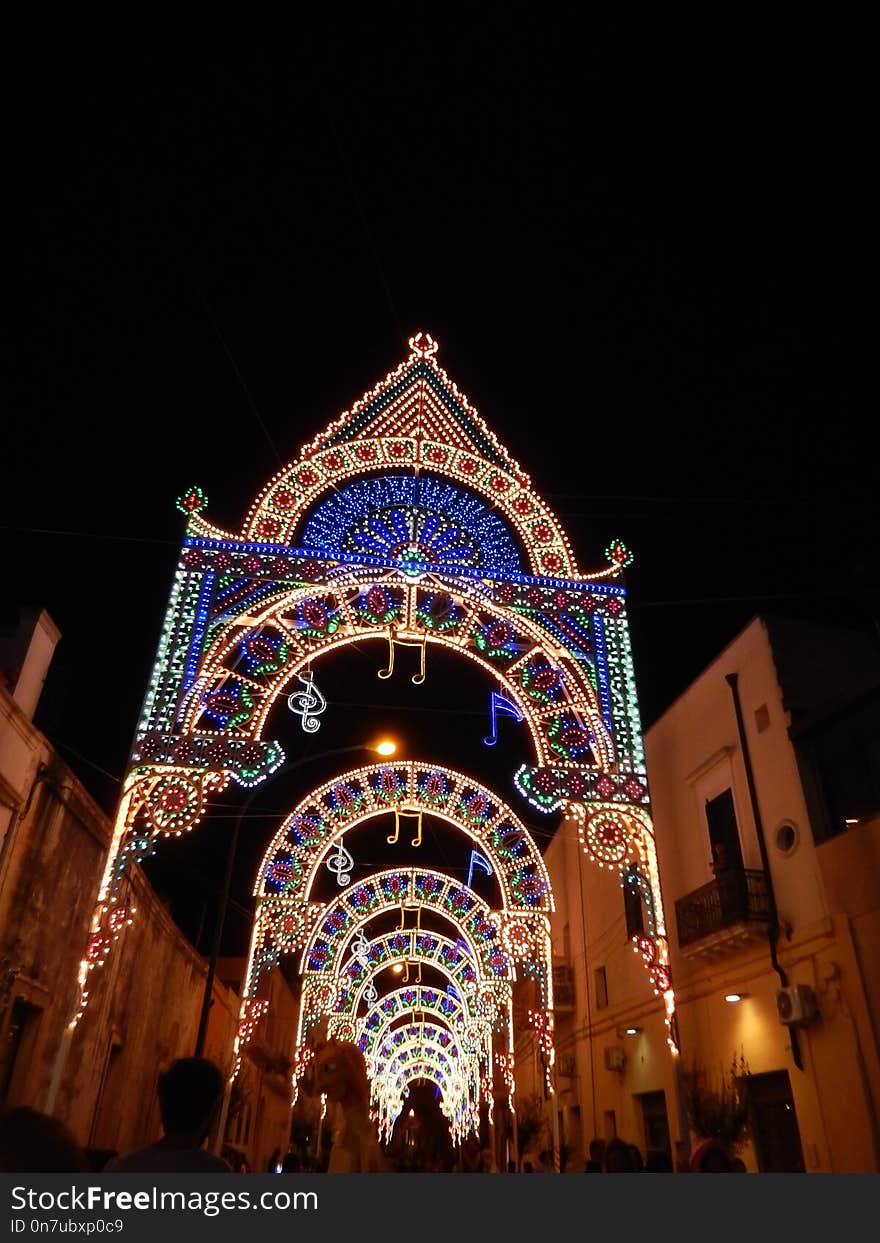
[639, 243]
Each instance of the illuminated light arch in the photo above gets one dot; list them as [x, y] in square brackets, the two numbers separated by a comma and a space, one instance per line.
[472, 1020]
[247, 612]
[328, 949]
[342, 993]
[406, 1055]
[401, 1005]
[461, 1110]
[554, 689]
[455, 1103]
[417, 1037]
[308, 836]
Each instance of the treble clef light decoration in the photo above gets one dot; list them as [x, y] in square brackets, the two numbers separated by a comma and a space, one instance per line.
[340, 864]
[308, 703]
[360, 950]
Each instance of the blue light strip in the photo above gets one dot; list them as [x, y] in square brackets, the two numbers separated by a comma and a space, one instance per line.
[199, 627]
[602, 671]
[387, 563]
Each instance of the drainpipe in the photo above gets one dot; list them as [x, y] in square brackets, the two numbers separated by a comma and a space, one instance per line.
[732, 680]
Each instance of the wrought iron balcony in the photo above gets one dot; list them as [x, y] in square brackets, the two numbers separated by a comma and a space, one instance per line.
[733, 907]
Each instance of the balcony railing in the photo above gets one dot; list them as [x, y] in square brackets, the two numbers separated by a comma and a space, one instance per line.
[735, 901]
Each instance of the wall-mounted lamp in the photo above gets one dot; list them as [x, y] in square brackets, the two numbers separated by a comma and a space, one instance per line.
[631, 1031]
[734, 997]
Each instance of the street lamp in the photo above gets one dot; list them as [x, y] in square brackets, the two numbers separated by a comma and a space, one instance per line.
[385, 747]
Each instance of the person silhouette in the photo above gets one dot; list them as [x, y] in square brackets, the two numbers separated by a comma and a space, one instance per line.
[597, 1156]
[33, 1142]
[190, 1092]
[712, 1157]
[618, 1157]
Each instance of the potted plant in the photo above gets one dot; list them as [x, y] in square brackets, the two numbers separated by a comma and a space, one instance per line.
[530, 1123]
[717, 1106]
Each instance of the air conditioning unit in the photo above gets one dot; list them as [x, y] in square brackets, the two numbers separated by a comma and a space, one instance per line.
[615, 1057]
[796, 1004]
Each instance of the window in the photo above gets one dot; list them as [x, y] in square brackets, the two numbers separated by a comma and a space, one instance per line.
[845, 755]
[786, 838]
[726, 853]
[632, 904]
[601, 986]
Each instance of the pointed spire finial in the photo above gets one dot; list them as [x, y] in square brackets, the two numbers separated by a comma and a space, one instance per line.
[423, 345]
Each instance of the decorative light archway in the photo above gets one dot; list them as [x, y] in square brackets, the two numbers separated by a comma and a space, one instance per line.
[308, 837]
[424, 530]
[406, 1054]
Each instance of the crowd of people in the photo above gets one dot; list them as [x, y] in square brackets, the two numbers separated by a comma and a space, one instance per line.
[619, 1157]
[190, 1094]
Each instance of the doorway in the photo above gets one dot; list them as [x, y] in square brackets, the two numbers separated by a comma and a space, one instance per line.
[773, 1123]
[655, 1123]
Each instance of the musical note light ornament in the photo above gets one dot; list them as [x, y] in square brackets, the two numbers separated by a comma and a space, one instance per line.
[500, 703]
[480, 861]
[340, 864]
[307, 703]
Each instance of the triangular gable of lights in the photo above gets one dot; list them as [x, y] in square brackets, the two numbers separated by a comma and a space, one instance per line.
[416, 421]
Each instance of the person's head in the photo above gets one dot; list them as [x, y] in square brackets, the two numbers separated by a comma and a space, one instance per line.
[618, 1158]
[635, 1157]
[528, 1168]
[190, 1092]
[711, 1158]
[33, 1142]
[597, 1149]
[291, 1164]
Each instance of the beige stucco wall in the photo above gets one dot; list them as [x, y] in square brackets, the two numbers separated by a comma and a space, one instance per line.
[144, 1003]
[828, 898]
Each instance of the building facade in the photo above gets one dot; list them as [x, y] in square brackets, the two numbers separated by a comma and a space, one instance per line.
[148, 994]
[765, 787]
